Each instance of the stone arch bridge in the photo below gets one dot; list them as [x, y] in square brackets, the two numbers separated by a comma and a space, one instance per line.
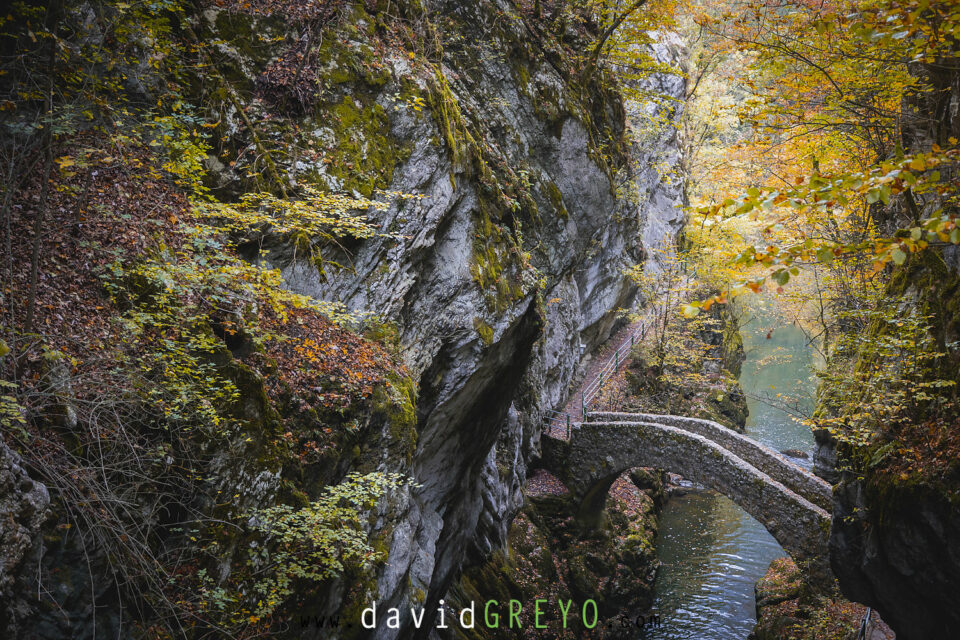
[788, 500]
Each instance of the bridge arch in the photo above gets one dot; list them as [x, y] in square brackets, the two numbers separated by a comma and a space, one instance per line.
[599, 452]
[765, 459]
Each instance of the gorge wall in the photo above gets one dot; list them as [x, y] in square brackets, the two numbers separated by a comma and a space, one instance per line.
[494, 281]
[896, 520]
[495, 346]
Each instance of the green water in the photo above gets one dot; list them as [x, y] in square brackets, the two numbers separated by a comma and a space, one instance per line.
[778, 364]
[712, 552]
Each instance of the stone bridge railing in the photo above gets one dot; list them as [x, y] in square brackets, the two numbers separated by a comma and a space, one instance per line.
[770, 462]
[780, 495]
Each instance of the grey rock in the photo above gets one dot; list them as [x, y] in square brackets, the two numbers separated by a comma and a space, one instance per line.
[825, 456]
[897, 549]
[481, 405]
[23, 509]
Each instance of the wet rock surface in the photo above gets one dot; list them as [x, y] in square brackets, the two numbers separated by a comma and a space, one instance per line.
[897, 549]
[23, 509]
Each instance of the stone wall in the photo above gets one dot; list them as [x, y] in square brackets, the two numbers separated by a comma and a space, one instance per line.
[770, 462]
[598, 452]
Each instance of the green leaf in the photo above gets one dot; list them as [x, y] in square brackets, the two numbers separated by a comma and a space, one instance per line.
[690, 311]
[825, 255]
[885, 193]
[898, 256]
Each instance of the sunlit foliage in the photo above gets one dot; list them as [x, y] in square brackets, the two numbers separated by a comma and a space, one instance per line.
[822, 168]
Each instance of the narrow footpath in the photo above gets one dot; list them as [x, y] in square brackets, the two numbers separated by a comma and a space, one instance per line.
[602, 363]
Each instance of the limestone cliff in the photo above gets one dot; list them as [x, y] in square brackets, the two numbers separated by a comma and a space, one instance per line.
[488, 285]
[496, 306]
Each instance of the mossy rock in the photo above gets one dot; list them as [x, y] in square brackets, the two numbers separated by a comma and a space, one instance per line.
[396, 403]
[365, 154]
[484, 330]
[556, 199]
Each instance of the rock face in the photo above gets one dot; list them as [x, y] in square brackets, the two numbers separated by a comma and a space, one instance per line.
[785, 605]
[498, 280]
[490, 361]
[896, 526]
[893, 544]
[897, 549]
[825, 456]
[23, 509]
[657, 153]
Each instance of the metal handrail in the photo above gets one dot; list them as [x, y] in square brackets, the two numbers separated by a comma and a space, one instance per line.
[560, 417]
[862, 633]
[589, 392]
[612, 366]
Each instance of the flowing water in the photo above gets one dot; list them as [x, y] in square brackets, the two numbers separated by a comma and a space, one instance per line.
[712, 552]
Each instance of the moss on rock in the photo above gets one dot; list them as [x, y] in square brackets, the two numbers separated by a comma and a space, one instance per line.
[484, 330]
[396, 401]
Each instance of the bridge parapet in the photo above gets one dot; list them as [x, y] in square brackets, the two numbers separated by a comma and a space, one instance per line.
[770, 462]
[598, 452]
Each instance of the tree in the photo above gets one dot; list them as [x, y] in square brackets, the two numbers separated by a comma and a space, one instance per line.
[827, 121]
[838, 166]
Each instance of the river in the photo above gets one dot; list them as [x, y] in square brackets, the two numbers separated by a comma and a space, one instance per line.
[712, 552]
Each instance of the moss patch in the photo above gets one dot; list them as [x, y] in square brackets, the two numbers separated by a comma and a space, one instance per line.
[396, 402]
[788, 611]
[365, 154]
[484, 330]
[556, 199]
[495, 264]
